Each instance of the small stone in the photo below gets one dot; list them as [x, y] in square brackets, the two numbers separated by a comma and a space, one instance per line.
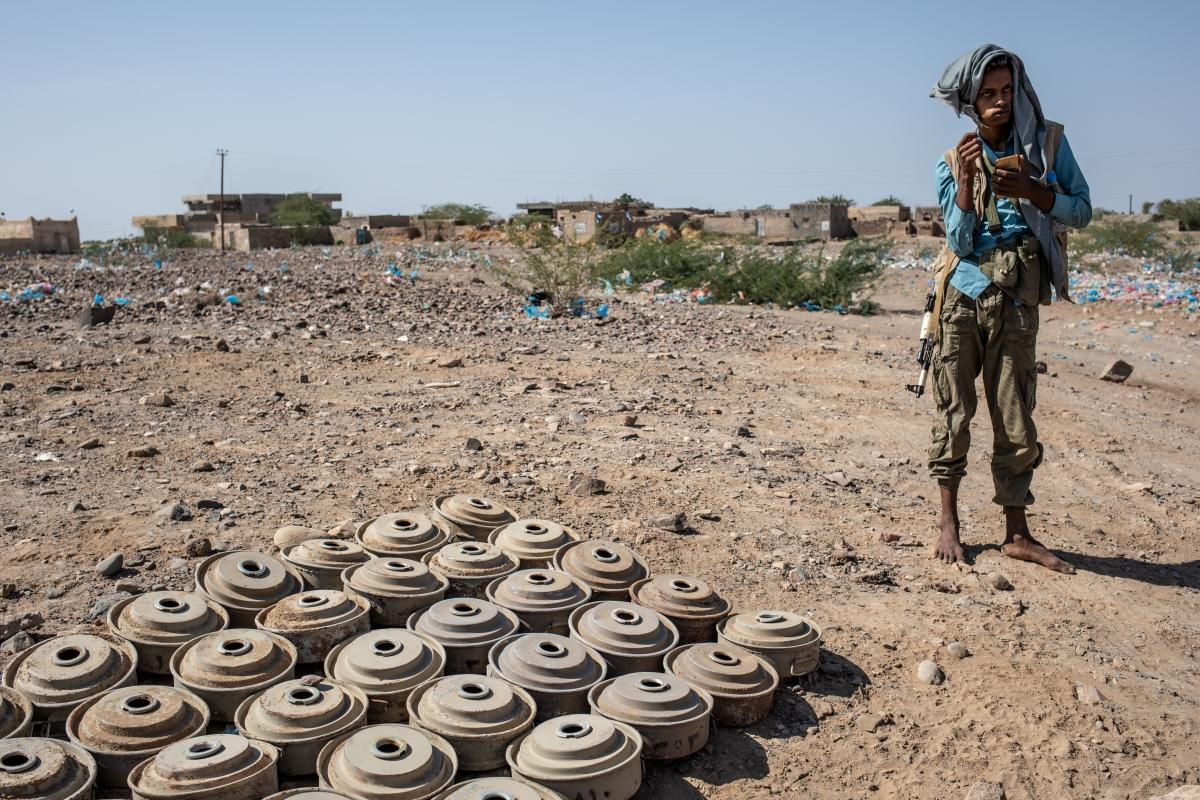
[290, 535]
[798, 575]
[822, 708]
[222, 346]
[304, 377]
[676, 522]
[449, 362]
[586, 485]
[630, 420]
[175, 512]
[8, 591]
[55, 592]
[958, 650]
[149, 451]
[472, 444]
[17, 642]
[91, 444]
[143, 339]
[105, 602]
[7, 386]
[985, 790]
[209, 504]
[96, 315]
[1040, 367]
[672, 464]
[869, 722]
[199, 547]
[111, 565]
[930, 673]
[743, 432]
[203, 466]
[343, 530]
[158, 399]
[1117, 372]
[75, 506]
[998, 582]
[708, 514]
[30, 620]
[1088, 695]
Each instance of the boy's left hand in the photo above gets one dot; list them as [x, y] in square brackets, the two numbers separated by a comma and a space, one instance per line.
[1016, 183]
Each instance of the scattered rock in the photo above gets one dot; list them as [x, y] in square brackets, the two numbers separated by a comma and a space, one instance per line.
[17, 642]
[105, 602]
[91, 444]
[175, 512]
[149, 451]
[472, 444]
[958, 650]
[290, 535]
[630, 420]
[111, 565]
[823, 709]
[55, 592]
[585, 485]
[96, 315]
[75, 506]
[1040, 367]
[343, 530]
[222, 346]
[203, 466]
[985, 790]
[199, 547]
[676, 522]
[143, 339]
[157, 399]
[672, 464]
[798, 575]
[209, 504]
[1117, 372]
[1088, 695]
[930, 673]
[998, 582]
[8, 590]
[449, 362]
[869, 722]
[708, 514]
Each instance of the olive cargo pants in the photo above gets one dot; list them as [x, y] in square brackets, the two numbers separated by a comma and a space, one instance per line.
[995, 336]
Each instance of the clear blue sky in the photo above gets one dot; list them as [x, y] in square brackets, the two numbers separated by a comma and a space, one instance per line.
[116, 108]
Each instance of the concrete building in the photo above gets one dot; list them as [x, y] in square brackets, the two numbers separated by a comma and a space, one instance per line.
[881, 220]
[246, 209]
[797, 223]
[928, 220]
[581, 220]
[39, 235]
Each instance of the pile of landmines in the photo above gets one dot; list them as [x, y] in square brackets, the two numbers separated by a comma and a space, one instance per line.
[391, 664]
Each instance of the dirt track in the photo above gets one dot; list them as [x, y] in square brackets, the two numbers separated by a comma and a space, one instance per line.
[833, 465]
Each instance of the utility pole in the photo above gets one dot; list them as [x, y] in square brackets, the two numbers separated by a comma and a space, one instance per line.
[221, 208]
[1131, 205]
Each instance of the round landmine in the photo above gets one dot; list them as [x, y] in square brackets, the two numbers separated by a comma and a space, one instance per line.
[466, 628]
[16, 713]
[157, 623]
[542, 598]
[388, 762]
[226, 667]
[316, 620]
[395, 588]
[479, 716]
[470, 567]
[690, 603]
[245, 582]
[321, 562]
[498, 788]
[532, 542]
[608, 568]
[741, 683]
[631, 638]
[790, 642]
[476, 517]
[671, 715]
[556, 671]
[308, 794]
[45, 769]
[123, 727]
[206, 768]
[386, 664]
[60, 673]
[407, 534]
[299, 717]
[580, 755]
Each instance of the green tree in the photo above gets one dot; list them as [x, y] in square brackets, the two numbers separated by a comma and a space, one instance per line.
[834, 199]
[626, 199]
[890, 200]
[462, 213]
[1186, 212]
[300, 210]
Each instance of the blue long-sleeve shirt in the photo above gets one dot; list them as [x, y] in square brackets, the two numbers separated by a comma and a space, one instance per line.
[970, 240]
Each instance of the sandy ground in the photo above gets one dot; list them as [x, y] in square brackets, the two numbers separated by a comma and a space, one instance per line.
[1082, 686]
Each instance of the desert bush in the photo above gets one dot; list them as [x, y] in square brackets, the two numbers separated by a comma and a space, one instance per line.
[562, 271]
[1186, 212]
[301, 211]
[1121, 235]
[685, 263]
[801, 275]
[462, 213]
[172, 238]
[834, 199]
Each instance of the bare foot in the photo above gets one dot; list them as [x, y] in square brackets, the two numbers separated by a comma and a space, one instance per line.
[949, 549]
[1026, 548]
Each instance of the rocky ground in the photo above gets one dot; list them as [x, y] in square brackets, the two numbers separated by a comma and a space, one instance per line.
[785, 437]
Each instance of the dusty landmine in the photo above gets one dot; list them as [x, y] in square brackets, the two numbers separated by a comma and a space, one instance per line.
[321, 562]
[208, 767]
[557, 671]
[45, 769]
[671, 715]
[476, 517]
[158, 623]
[16, 713]
[299, 717]
[245, 582]
[123, 727]
[315, 621]
[395, 588]
[466, 628]
[608, 568]
[388, 762]
[580, 755]
[790, 642]
[690, 603]
[226, 667]
[542, 598]
[480, 716]
[741, 683]
[470, 566]
[498, 789]
[387, 664]
[60, 673]
[631, 638]
[407, 534]
[532, 542]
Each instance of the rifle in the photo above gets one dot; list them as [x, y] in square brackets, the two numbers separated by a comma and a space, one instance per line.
[925, 351]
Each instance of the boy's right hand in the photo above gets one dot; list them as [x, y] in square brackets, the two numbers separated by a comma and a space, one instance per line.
[969, 150]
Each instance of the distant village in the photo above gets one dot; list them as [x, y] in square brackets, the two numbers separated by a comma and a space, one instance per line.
[243, 222]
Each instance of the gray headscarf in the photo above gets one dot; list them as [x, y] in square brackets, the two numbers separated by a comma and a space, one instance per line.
[959, 88]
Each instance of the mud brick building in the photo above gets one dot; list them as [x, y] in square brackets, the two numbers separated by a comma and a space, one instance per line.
[39, 235]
